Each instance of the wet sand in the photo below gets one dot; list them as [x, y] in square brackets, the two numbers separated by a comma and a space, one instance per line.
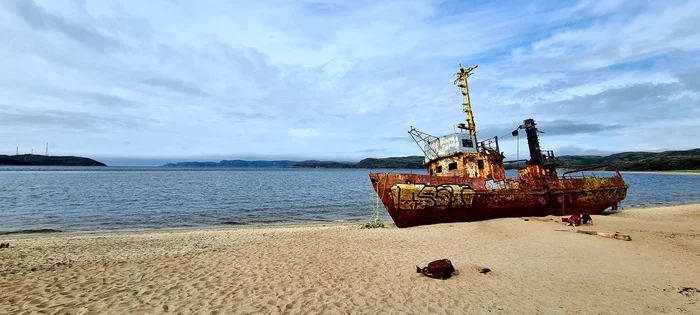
[341, 269]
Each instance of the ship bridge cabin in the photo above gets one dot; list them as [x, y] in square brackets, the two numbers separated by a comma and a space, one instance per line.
[459, 154]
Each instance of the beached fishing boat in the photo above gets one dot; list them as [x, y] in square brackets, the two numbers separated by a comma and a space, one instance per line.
[466, 180]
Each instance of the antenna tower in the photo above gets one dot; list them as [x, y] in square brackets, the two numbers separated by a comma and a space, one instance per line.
[461, 82]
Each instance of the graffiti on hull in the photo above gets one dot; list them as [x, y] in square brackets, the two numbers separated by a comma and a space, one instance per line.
[421, 196]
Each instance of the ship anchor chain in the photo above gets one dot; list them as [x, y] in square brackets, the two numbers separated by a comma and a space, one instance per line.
[376, 221]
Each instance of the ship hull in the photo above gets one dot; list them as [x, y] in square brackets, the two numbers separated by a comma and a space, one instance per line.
[416, 199]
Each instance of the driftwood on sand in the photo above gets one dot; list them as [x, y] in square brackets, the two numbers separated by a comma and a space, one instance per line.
[616, 235]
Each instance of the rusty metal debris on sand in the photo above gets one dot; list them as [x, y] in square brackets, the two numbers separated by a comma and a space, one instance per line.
[438, 269]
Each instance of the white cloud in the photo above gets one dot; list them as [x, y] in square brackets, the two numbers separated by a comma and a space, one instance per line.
[304, 133]
[217, 78]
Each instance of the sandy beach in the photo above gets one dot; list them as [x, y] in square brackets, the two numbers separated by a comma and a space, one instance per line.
[342, 269]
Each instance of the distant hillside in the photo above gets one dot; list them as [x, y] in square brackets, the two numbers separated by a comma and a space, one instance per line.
[322, 165]
[626, 161]
[240, 164]
[634, 161]
[407, 162]
[637, 161]
[43, 160]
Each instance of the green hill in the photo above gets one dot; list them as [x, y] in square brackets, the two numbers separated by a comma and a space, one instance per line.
[637, 161]
[406, 162]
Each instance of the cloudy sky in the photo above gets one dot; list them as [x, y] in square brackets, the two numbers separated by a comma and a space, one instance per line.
[159, 81]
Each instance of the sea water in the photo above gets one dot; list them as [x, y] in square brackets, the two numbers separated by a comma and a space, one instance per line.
[83, 199]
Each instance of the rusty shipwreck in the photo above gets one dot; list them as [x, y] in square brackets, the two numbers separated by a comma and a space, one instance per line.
[466, 180]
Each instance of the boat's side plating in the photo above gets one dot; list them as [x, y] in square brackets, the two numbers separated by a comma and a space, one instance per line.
[416, 199]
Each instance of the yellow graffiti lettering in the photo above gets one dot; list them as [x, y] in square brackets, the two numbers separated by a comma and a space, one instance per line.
[420, 196]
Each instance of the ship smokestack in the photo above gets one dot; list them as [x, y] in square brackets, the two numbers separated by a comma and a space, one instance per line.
[533, 142]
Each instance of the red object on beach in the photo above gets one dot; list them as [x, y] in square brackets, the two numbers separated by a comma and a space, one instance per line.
[575, 218]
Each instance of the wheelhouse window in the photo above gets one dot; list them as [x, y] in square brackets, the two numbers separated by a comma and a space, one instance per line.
[439, 169]
[481, 164]
[467, 143]
[452, 166]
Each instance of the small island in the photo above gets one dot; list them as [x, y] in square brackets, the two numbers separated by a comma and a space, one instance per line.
[46, 160]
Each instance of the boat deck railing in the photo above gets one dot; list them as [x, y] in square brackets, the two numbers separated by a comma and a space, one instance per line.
[581, 172]
[548, 157]
[490, 144]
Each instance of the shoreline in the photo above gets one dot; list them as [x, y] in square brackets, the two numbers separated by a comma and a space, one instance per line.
[55, 232]
[387, 221]
[223, 227]
[340, 268]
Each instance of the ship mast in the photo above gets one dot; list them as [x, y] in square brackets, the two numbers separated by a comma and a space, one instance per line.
[461, 82]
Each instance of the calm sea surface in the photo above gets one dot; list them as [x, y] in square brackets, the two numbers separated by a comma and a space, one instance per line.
[116, 198]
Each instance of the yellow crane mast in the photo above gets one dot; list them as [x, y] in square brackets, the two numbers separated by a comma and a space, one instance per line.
[461, 82]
